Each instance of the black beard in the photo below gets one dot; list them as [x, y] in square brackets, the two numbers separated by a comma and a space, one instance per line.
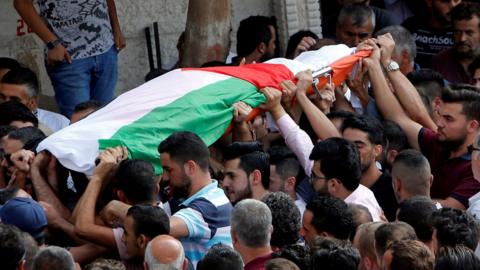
[182, 191]
[265, 57]
[245, 194]
[452, 145]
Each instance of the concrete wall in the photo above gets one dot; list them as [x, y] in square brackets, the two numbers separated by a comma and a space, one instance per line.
[17, 42]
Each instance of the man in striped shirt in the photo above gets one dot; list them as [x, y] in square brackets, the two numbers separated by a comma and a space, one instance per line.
[203, 218]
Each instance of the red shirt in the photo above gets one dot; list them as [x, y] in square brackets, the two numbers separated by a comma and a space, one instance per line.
[258, 263]
[452, 177]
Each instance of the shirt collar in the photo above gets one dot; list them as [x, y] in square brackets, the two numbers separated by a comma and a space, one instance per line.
[201, 192]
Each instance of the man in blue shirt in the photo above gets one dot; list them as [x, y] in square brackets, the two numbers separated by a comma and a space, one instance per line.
[203, 218]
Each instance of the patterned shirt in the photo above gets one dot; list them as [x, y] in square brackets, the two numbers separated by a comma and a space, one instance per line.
[82, 25]
[207, 216]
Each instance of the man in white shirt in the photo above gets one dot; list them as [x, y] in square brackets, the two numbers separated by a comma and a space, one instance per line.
[21, 84]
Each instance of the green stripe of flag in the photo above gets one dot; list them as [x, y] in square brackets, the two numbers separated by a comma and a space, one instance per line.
[206, 111]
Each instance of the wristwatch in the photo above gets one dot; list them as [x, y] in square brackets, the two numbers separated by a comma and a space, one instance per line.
[53, 44]
[392, 66]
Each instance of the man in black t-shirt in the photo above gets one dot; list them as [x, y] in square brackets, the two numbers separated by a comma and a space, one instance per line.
[433, 32]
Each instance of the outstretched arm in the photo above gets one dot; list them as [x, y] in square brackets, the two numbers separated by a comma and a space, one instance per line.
[295, 138]
[404, 90]
[42, 189]
[322, 126]
[386, 101]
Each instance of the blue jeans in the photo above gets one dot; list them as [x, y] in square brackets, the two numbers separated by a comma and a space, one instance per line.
[84, 79]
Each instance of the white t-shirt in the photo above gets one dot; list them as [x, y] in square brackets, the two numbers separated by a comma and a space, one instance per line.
[53, 121]
[364, 196]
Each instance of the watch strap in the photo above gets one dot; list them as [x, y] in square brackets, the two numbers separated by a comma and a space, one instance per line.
[53, 44]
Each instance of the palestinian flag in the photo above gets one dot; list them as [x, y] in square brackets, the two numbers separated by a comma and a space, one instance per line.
[197, 100]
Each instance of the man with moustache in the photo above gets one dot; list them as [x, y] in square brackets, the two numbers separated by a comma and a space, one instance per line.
[453, 63]
[433, 32]
[204, 216]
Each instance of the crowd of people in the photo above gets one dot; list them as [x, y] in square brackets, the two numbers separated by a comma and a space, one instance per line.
[379, 172]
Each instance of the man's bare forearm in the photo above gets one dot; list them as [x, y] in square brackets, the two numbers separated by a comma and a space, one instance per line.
[410, 100]
[27, 11]
[45, 193]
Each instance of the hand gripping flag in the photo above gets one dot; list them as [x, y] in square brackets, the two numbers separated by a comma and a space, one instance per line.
[197, 100]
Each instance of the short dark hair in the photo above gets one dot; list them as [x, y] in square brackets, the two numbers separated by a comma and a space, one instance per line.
[237, 149]
[394, 137]
[367, 124]
[23, 76]
[331, 215]
[413, 170]
[336, 257]
[456, 257]
[285, 219]
[389, 232]
[470, 100]
[465, 11]
[15, 111]
[429, 83]
[9, 63]
[221, 257]
[184, 146]
[286, 163]
[417, 212]
[257, 161]
[5, 129]
[455, 227]
[418, 77]
[136, 178]
[339, 159]
[29, 136]
[360, 214]
[295, 39]
[12, 248]
[359, 15]
[149, 220]
[297, 253]
[339, 114]
[411, 254]
[253, 31]
[88, 105]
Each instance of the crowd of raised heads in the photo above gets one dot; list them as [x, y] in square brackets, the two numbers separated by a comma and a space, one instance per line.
[379, 172]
